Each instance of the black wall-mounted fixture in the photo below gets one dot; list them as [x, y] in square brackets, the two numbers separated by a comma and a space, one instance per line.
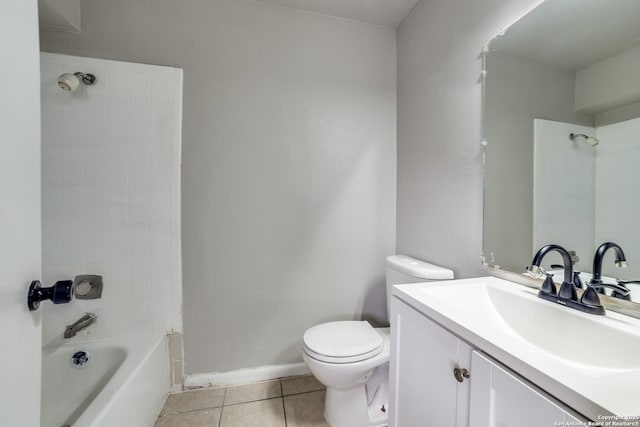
[60, 293]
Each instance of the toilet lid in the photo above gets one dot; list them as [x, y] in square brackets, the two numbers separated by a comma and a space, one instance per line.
[343, 340]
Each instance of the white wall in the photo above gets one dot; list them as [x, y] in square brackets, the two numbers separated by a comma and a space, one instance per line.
[617, 202]
[289, 200]
[59, 15]
[518, 92]
[19, 213]
[598, 184]
[620, 114]
[564, 173]
[439, 215]
[608, 84]
[111, 195]
[288, 165]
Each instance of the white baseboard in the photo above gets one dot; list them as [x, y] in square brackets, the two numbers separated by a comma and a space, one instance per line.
[244, 376]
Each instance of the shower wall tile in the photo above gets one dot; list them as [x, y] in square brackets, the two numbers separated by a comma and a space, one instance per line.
[111, 195]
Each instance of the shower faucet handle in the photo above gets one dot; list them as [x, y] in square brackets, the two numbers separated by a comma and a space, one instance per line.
[88, 286]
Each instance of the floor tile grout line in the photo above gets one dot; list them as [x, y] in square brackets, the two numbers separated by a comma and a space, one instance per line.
[272, 397]
[284, 409]
[224, 397]
[225, 404]
[304, 392]
[254, 401]
[206, 408]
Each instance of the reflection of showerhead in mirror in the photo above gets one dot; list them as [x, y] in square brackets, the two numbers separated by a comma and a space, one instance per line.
[591, 140]
[71, 82]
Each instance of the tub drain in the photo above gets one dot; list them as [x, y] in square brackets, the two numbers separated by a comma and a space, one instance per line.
[80, 359]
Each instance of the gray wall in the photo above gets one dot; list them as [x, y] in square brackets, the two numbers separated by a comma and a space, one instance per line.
[616, 115]
[611, 83]
[288, 171]
[439, 213]
[518, 92]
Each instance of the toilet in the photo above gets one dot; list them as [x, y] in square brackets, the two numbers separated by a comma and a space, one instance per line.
[351, 358]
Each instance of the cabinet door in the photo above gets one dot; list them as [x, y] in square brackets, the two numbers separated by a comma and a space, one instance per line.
[424, 391]
[501, 399]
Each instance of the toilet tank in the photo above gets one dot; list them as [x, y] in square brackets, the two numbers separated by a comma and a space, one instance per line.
[403, 269]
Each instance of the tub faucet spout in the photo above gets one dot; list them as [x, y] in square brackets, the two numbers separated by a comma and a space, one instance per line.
[80, 324]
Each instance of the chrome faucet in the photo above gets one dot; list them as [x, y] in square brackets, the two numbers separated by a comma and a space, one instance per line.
[80, 324]
[621, 261]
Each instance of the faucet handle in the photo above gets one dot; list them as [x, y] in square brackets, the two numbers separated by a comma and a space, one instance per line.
[627, 282]
[624, 283]
[590, 297]
[548, 286]
[574, 257]
[577, 280]
[88, 286]
[619, 288]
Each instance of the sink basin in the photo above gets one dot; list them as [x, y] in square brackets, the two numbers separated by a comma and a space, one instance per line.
[595, 341]
[581, 339]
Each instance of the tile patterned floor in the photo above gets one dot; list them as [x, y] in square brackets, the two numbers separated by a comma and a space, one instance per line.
[290, 402]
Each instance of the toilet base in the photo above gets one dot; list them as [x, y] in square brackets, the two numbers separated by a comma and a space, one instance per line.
[363, 406]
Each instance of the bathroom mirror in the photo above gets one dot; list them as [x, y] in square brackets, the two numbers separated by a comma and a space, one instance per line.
[567, 67]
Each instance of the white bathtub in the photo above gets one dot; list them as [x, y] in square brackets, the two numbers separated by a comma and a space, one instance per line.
[124, 383]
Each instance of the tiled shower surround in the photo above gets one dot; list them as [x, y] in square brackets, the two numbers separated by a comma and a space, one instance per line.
[111, 195]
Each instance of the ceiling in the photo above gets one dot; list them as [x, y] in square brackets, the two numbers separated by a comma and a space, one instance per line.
[573, 34]
[382, 12]
[59, 15]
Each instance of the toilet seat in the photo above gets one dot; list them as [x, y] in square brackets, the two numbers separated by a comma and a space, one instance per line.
[342, 342]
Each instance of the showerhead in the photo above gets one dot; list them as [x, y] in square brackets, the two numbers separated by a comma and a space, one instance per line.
[591, 140]
[71, 82]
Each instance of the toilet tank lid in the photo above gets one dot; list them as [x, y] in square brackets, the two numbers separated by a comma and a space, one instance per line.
[416, 268]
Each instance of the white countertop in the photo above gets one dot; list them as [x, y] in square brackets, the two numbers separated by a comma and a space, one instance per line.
[581, 375]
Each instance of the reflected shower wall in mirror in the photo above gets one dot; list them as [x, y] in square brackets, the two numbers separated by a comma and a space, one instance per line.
[567, 67]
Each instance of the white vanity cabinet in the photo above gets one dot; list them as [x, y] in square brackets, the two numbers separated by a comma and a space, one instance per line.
[501, 399]
[425, 392]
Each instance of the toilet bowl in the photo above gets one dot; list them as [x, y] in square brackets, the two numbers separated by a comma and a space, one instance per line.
[351, 358]
[355, 373]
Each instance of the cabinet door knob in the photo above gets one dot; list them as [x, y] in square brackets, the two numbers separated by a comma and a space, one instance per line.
[461, 374]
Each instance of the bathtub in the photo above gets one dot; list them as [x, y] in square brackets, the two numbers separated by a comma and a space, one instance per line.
[124, 383]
